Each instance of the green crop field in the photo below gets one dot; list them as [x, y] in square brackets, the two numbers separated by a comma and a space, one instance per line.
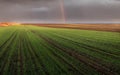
[33, 50]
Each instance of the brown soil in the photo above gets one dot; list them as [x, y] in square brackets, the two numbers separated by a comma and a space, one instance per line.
[98, 27]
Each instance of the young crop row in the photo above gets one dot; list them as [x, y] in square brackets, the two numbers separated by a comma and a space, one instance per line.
[102, 56]
[31, 50]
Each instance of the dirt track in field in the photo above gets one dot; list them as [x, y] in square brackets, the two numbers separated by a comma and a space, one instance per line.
[100, 68]
[98, 27]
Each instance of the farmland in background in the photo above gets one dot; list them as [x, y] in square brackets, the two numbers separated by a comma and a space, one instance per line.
[34, 50]
[97, 27]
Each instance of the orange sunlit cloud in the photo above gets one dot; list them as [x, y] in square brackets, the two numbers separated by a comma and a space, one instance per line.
[9, 23]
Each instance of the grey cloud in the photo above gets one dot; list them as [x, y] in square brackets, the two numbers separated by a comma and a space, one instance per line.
[48, 11]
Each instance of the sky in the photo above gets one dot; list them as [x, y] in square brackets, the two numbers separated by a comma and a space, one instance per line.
[60, 11]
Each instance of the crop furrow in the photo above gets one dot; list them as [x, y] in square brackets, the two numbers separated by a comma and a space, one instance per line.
[101, 51]
[12, 68]
[20, 56]
[28, 59]
[35, 56]
[80, 71]
[7, 41]
[33, 53]
[109, 65]
[98, 67]
[94, 43]
[8, 52]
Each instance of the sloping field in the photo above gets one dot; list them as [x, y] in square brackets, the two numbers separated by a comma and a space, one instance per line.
[33, 50]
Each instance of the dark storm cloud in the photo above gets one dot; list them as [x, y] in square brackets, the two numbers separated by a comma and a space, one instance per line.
[93, 11]
[49, 11]
[29, 10]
